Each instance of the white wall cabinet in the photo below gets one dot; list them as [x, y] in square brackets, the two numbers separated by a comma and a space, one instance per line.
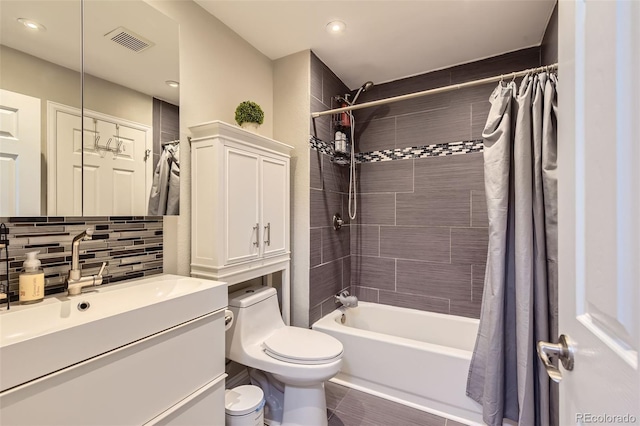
[240, 206]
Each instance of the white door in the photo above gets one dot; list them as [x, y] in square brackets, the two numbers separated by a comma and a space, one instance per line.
[19, 154]
[242, 227]
[274, 195]
[599, 209]
[114, 169]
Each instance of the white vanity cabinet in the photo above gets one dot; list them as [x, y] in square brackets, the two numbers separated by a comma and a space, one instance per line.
[150, 351]
[240, 205]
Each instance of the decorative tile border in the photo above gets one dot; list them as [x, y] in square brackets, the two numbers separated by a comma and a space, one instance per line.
[320, 145]
[131, 246]
[435, 150]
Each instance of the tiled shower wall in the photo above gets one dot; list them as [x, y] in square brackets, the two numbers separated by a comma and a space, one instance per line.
[330, 250]
[131, 246]
[421, 238]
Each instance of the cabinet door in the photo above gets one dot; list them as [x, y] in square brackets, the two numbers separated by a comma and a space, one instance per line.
[275, 205]
[242, 230]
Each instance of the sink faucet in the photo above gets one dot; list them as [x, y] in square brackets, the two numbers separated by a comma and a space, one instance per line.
[75, 281]
[346, 300]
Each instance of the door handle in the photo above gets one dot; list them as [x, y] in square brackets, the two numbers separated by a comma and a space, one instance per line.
[257, 241]
[268, 228]
[563, 350]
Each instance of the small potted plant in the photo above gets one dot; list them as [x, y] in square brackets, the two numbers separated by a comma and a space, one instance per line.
[249, 115]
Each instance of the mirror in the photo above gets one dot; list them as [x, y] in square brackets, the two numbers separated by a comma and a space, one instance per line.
[98, 142]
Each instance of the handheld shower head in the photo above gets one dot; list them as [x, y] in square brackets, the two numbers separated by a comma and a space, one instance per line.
[366, 86]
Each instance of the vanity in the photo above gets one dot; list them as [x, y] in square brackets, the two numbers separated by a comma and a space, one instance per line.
[148, 351]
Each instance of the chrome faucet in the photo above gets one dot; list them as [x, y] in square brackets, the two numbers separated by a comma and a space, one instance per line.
[346, 300]
[75, 281]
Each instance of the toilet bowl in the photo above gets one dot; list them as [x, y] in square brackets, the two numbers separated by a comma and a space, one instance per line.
[294, 359]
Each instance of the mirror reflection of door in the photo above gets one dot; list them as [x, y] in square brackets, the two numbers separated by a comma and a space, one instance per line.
[115, 182]
[104, 174]
[19, 154]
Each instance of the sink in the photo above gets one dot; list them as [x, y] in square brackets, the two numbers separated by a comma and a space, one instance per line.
[38, 339]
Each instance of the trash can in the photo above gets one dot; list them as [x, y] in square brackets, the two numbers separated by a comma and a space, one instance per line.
[244, 406]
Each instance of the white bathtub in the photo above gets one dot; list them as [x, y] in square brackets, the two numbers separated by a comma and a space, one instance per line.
[417, 358]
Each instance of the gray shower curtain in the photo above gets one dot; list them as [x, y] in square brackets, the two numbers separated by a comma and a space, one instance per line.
[519, 305]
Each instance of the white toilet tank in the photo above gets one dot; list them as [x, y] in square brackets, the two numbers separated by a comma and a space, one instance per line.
[256, 316]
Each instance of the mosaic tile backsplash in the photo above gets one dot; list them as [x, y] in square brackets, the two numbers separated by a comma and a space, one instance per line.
[131, 246]
[434, 150]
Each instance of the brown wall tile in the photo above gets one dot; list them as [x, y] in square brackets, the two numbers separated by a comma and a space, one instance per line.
[434, 208]
[316, 77]
[446, 281]
[346, 272]
[315, 168]
[428, 244]
[465, 308]
[469, 245]
[479, 209]
[324, 205]
[316, 246]
[453, 172]
[549, 47]
[477, 282]
[335, 244]
[324, 281]
[334, 177]
[320, 127]
[386, 176]
[436, 126]
[366, 294]
[502, 64]
[365, 240]
[374, 272]
[412, 301]
[376, 209]
[373, 135]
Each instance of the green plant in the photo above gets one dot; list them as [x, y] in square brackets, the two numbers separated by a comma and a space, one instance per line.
[249, 112]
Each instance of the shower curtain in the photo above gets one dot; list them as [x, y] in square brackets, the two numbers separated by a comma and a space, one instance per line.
[164, 198]
[519, 304]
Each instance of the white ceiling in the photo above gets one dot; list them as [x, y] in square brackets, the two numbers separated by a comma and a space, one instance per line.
[145, 71]
[387, 39]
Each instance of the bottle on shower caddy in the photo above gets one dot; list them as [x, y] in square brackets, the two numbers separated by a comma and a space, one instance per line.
[340, 142]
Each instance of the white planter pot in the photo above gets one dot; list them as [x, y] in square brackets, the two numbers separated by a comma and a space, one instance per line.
[252, 127]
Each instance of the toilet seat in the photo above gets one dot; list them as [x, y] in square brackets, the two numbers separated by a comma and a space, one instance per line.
[302, 346]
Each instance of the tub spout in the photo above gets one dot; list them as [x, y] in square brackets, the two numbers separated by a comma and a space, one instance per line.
[346, 300]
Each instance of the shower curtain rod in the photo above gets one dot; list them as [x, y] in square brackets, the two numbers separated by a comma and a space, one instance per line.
[434, 91]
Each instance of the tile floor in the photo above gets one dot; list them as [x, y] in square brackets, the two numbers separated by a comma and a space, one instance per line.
[349, 407]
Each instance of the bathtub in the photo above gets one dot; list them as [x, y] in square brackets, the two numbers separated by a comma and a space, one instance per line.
[416, 358]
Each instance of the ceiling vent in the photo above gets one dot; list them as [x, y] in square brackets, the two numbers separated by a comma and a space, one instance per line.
[129, 39]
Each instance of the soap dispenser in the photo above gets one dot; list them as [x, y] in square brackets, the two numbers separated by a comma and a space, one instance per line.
[31, 280]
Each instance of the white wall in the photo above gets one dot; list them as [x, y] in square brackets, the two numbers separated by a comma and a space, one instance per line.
[291, 104]
[218, 70]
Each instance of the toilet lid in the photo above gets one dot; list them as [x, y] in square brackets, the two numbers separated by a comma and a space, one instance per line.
[302, 346]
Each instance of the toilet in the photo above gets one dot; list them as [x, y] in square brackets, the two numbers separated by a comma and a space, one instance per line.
[290, 364]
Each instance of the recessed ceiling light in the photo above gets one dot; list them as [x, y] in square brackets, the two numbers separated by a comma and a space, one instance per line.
[172, 83]
[336, 27]
[32, 25]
